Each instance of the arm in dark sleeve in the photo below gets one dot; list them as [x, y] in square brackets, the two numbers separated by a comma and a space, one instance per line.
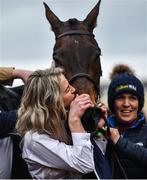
[7, 122]
[132, 151]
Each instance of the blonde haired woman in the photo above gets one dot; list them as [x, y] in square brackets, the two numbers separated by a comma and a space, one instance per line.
[43, 122]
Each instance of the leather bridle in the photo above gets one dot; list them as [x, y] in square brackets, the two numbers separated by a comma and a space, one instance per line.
[83, 75]
[74, 32]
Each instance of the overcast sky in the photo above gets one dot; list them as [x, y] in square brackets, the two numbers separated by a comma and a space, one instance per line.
[26, 40]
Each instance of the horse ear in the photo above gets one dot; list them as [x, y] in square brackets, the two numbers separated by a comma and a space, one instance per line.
[91, 19]
[53, 19]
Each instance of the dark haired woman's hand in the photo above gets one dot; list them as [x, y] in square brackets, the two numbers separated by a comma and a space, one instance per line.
[114, 135]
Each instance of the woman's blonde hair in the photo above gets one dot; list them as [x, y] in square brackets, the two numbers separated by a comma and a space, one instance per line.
[42, 108]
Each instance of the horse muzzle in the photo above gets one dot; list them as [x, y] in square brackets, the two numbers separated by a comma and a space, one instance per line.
[91, 118]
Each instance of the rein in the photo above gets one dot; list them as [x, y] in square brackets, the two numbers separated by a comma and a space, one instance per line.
[74, 32]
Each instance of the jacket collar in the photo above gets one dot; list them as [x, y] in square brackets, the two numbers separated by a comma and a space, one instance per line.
[111, 121]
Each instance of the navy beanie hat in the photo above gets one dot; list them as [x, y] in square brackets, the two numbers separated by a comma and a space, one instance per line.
[125, 83]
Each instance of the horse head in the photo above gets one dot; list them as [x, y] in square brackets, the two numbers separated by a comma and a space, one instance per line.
[77, 51]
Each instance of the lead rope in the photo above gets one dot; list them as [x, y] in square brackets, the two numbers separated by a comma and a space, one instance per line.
[98, 105]
[119, 163]
[115, 154]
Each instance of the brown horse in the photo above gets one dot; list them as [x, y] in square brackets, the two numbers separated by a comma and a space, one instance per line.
[77, 51]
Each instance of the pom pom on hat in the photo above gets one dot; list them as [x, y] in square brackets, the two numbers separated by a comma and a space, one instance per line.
[123, 80]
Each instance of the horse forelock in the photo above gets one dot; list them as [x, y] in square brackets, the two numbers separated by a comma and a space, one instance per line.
[73, 21]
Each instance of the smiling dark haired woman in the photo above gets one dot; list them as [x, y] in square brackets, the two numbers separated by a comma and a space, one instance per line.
[128, 131]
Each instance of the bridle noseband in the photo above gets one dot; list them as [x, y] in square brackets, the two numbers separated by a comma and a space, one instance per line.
[83, 75]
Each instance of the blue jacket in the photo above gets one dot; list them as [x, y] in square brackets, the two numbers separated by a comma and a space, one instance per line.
[131, 149]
